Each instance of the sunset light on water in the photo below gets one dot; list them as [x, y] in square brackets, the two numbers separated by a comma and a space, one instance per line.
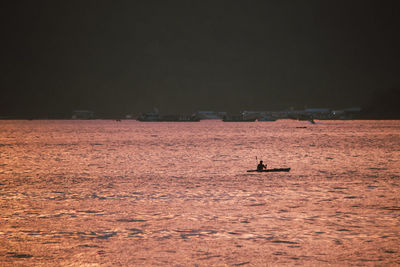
[200, 133]
[131, 193]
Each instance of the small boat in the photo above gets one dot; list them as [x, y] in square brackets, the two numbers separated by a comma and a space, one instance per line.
[271, 170]
[266, 119]
[237, 118]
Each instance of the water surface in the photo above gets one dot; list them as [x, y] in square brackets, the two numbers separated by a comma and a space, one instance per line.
[135, 193]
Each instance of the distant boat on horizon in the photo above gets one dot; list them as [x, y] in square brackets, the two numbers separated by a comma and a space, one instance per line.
[266, 119]
[155, 117]
[237, 118]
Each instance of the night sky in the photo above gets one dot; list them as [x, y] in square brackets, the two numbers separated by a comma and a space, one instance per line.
[118, 57]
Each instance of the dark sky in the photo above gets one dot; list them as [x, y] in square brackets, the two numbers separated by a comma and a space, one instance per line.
[182, 56]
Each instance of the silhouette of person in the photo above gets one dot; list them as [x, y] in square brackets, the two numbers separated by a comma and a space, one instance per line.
[261, 166]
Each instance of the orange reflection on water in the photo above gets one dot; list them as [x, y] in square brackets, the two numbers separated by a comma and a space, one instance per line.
[133, 193]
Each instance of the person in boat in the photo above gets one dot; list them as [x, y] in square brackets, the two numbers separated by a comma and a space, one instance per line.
[261, 166]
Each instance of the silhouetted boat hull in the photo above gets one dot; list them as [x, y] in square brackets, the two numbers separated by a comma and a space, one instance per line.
[237, 118]
[272, 170]
[167, 118]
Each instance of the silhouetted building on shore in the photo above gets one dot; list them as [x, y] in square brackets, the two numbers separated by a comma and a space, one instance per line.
[156, 116]
[210, 115]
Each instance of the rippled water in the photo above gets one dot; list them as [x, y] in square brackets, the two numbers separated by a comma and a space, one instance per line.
[132, 193]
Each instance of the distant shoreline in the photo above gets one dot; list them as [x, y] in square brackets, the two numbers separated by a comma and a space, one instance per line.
[124, 119]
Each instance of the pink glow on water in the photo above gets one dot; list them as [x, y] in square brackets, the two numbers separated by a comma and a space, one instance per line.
[134, 193]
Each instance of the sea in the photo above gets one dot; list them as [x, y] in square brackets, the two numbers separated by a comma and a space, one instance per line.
[129, 193]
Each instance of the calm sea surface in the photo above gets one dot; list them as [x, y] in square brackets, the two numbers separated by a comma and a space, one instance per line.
[88, 193]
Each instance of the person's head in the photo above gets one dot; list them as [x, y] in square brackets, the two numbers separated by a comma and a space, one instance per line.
[261, 161]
